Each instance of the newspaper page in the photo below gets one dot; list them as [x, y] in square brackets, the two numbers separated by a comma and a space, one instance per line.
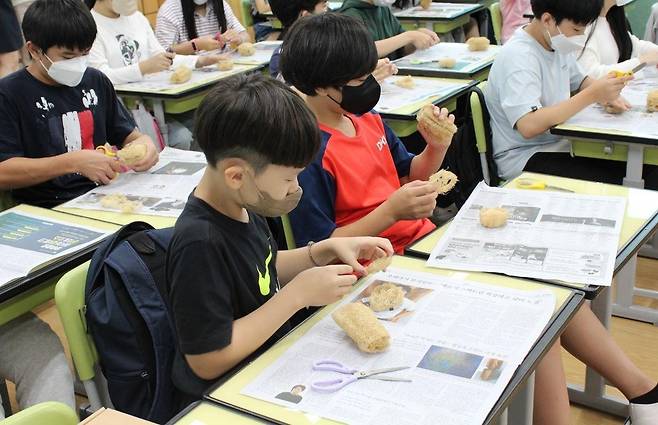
[549, 235]
[461, 340]
[162, 191]
[437, 11]
[636, 121]
[28, 241]
[394, 96]
[467, 61]
[264, 51]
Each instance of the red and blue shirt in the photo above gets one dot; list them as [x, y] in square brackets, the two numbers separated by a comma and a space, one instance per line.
[349, 178]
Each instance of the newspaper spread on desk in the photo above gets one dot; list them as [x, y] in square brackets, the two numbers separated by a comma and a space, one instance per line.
[263, 53]
[163, 190]
[637, 121]
[549, 235]
[461, 340]
[394, 96]
[28, 241]
[438, 11]
[467, 60]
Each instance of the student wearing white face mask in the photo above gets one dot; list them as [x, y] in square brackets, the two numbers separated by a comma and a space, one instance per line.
[610, 45]
[190, 26]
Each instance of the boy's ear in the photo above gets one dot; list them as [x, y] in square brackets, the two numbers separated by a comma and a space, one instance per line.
[321, 91]
[33, 49]
[235, 174]
[547, 19]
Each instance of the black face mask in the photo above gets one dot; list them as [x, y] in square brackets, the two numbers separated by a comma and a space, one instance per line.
[360, 99]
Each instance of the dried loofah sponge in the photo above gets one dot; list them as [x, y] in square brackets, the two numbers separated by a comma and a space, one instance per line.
[405, 82]
[225, 65]
[441, 130]
[493, 217]
[477, 44]
[425, 4]
[379, 265]
[652, 101]
[246, 49]
[132, 154]
[447, 63]
[361, 324]
[120, 202]
[444, 181]
[386, 296]
[181, 75]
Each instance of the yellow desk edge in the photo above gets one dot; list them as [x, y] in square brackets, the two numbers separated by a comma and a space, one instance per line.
[117, 218]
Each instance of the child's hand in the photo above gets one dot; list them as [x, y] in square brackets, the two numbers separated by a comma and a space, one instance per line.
[95, 165]
[423, 38]
[437, 139]
[384, 70]
[608, 88]
[206, 60]
[232, 37]
[412, 201]
[160, 62]
[617, 106]
[350, 250]
[151, 156]
[322, 285]
[207, 43]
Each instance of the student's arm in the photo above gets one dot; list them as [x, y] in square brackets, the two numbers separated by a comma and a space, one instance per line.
[410, 40]
[98, 58]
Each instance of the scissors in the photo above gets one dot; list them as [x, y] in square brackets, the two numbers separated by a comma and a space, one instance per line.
[333, 385]
[538, 185]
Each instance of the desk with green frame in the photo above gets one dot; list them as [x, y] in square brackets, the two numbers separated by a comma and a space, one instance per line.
[640, 222]
[568, 302]
[440, 17]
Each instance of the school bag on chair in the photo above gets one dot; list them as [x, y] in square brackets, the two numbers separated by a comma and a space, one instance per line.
[129, 321]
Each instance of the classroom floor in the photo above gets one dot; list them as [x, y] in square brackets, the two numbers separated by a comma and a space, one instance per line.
[640, 340]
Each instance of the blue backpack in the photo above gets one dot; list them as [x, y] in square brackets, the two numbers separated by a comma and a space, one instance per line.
[129, 321]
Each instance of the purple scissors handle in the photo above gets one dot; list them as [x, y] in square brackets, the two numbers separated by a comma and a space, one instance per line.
[333, 385]
[333, 366]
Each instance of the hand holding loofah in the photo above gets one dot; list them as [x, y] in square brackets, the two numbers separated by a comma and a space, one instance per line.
[478, 44]
[132, 154]
[443, 181]
[182, 74]
[441, 130]
[386, 296]
[379, 264]
[493, 218]
[361, 324]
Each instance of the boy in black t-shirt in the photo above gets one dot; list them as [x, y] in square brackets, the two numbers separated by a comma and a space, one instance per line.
[55, 112]
[230, 293]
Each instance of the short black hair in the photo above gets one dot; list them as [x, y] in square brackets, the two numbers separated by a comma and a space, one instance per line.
[581, 12]
[327, 50]
[65, 23]
[287, 11]
[303, 387]
[258, 119]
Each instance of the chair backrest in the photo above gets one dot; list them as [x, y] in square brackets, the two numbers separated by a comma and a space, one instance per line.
[247, 19]
[6, 201]
[70, 301]
[497, 21]
[50, 412]
[287, 231]
[479, 114]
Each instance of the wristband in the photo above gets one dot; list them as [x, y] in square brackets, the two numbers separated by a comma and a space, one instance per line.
[194, 45]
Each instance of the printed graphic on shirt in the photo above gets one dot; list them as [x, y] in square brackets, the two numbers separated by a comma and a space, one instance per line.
[78, 129]
[264, 279]
[129, 49]
[44, 104]
[89, 98]
[381, 143]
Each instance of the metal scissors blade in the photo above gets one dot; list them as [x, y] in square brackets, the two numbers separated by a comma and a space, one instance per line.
[371, 373]
[639, 67]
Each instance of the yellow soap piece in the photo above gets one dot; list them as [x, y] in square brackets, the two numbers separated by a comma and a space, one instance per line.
[405, 82]
[440, 129]
[379, 265]
[444, 181]
[652, 101]
[181, 75]
[493, 218]
[448, 63]
[425, 4]
[478, 44]
[132, 154]
[361, 324]
[225, 65]
[386, 296]
[246, 49]
[120, 202]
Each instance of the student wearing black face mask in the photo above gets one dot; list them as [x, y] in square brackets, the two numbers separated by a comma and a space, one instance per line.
[363, 181]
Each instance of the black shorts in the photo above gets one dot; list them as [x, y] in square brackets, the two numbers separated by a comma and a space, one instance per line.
[11, 38]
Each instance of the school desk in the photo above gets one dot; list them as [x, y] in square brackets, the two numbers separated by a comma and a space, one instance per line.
[176, 98]
[207, 413]
[640, 222]
[470, 66]
[567, 303]
[402, 118]
[24, 294]
[441, 17]
[119, 218]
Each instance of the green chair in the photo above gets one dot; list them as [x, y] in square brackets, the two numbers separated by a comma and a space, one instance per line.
[50, 412]
[287, 231]
[6, 201]
[70, 301]
[477, 111]
[497, 21]
[247, 18]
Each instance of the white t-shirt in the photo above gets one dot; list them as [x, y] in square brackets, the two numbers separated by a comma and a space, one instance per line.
[526, 76]
[170, 26]
[601, 54]
[121, 43]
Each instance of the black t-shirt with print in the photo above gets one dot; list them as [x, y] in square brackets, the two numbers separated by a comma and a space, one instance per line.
[218, 270]
[38, 120]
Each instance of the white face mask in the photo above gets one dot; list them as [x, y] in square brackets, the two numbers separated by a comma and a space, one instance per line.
[566, 45]
[383, 3]
[124, 7]
[200, 2]
[68, 72]
[621, 3]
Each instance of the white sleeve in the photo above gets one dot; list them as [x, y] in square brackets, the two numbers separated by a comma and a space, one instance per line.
[153, 45]
[590, 62]
[155, 48]
[98, 59]
[231, 21]
[187, 60]
[640, 47]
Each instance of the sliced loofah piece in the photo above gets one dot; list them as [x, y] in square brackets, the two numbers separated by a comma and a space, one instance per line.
[493, 218]
[444, 181]
[386, 296]
[246, 49]
[361, 324]
[225, 65]
[379, 265]
[448, 63]
[425, 4]
[652, 101]
[405, 82]
[132, 154]
[478, 44]
[120, 202]
[181, 75]
[440, 129]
